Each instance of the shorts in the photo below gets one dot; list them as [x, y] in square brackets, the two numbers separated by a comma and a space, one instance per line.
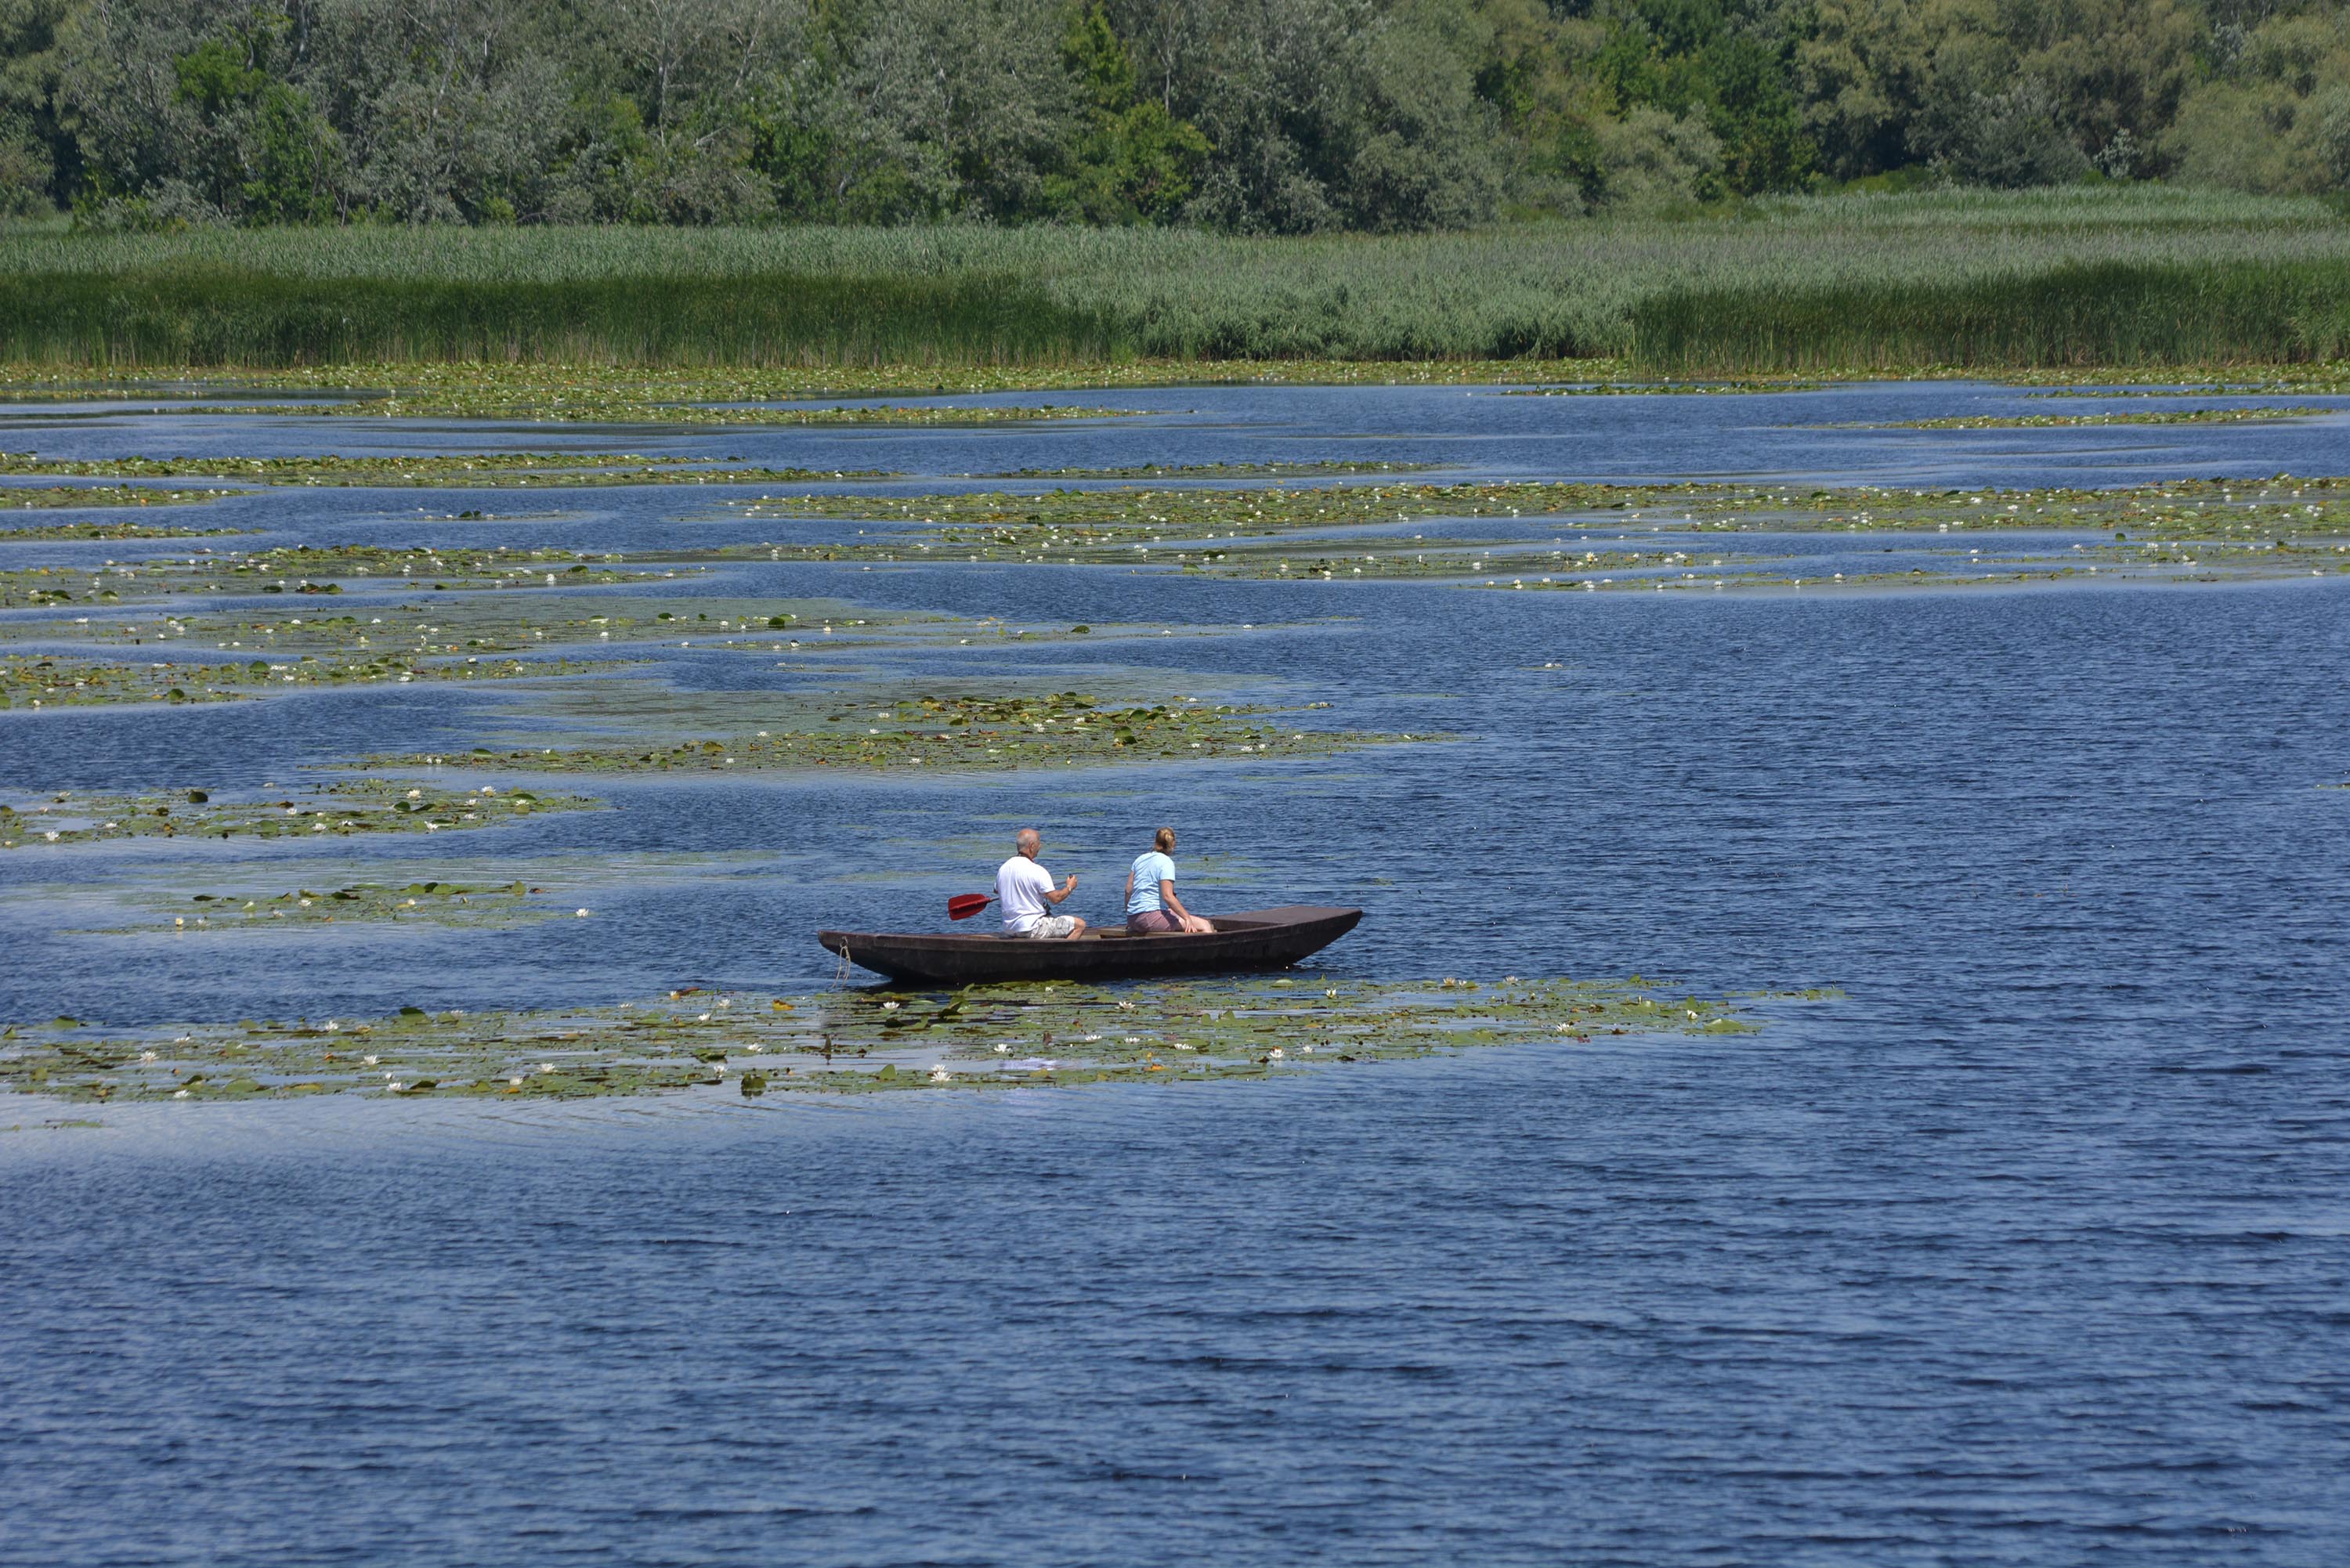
[1051, 927]
[1150, 921]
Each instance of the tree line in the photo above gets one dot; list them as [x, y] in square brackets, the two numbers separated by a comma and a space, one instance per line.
[1251, 115]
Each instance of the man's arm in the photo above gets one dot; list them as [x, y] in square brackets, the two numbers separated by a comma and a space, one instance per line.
[1055, 895]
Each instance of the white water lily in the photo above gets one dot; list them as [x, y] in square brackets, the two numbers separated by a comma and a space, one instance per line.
[1004, 1050]
[367, 1061]
[180, 1094]
[580, 914]
[939, 1075]
[1274, 1053]
[889, 1007]
[146, 1055]
[546, 1066]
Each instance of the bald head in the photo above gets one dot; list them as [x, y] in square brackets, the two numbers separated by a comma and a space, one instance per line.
[1028, 841]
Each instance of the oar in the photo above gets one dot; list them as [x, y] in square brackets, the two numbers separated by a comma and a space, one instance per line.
[963, 906]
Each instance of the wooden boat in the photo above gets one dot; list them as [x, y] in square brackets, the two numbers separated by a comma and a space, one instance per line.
[1255, 938]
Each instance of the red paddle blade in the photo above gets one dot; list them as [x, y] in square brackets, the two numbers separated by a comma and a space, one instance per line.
[963, 906]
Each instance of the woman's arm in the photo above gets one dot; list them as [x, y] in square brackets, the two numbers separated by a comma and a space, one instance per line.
[1167, 897]
[1130, 885]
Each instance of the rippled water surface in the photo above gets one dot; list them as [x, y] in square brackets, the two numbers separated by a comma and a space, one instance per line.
[2032, 1247]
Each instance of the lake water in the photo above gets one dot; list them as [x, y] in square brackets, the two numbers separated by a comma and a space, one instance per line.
[2033, 1246]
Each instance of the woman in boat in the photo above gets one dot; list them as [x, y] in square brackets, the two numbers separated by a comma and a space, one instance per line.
[1151, 906]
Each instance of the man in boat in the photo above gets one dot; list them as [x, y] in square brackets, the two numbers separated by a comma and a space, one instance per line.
[1026, 893]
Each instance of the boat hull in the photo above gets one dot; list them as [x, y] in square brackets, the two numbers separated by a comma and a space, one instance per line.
[1251, 939]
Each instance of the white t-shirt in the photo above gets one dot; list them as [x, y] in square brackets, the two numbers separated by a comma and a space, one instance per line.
[1020, 887]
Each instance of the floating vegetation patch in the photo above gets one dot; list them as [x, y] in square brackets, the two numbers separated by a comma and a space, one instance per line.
[1667, 389]
[1062, 730]
[433, 902]
[304, 569]
[552, 389]
[339, 810]
[985, 1037]
[2246, 389]
[60, 681]
[617, 407]
[1464, 565]
[2136, 417]
[1136, 527]
[2205, 560]
[469, 625]
[473, 471]
[109, 533]
[1333, 468]
[28, 497]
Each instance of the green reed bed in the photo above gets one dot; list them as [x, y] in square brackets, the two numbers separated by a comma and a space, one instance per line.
[859, 1042]
[2120, 275]
[2207, 311]
[227, 311]
[41, 820]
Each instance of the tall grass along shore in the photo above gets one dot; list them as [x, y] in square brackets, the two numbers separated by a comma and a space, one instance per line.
[2116, 276]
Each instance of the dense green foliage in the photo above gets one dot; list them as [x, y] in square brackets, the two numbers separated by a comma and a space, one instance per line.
[1252, 116]
[2116, 275]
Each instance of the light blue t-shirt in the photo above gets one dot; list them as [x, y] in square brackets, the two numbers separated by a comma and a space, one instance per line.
[1149, 870]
